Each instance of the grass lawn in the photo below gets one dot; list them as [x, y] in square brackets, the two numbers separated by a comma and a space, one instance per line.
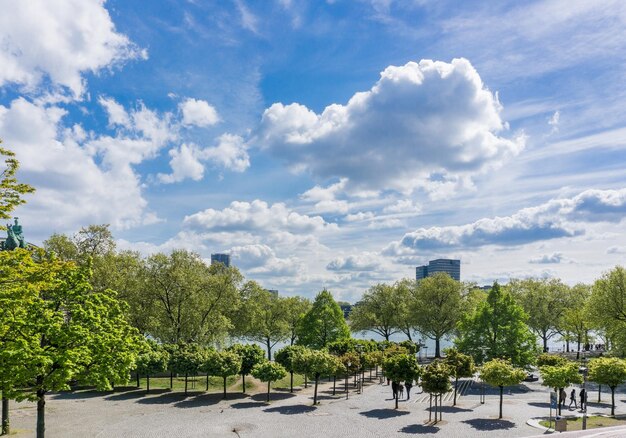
[197, 383]
[298, 380]
[592, 422]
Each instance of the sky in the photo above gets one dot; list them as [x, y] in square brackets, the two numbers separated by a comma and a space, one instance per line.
[326, 144]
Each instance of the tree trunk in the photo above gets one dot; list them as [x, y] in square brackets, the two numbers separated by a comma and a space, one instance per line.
[224, 387]
[269, 349]
[440, 405]
[408, 334]
[138, 382]
[268, 391]
[396, 397]
[243, 376]
[386, 336]
[545, 344]
[334, 384]
[612, 401]
[6, 426]
[291, 382]
[599, 392]
[317, 377]
[456, 383]
[501, 396]
[41, 414]
[306, 383]
[578, 341]
[430, 409]
[147, 382]
[437, 350]
[436, 418]
[567, 345]
[207, 382]
[186, 384]
[560, 401]
[171, 379]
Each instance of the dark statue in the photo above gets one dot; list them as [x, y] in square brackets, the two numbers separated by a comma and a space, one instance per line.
[15, 238]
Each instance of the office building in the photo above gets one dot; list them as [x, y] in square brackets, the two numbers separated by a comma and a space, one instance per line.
[224, 259]
[449, 266]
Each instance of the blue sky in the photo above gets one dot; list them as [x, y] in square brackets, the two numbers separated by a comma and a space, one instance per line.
[326, 144]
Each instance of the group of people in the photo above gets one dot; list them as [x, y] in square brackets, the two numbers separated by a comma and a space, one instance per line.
[572, 398]
[397, 388]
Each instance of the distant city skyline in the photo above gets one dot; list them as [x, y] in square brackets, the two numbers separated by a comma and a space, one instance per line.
[334, 144]
[452, 267]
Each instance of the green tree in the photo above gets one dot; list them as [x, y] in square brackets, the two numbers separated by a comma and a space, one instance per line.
[223, 364]
[377, 311]
[11, 191]
[546, 359]
[319, 363]
[610, 371]
[575, 319]
[294, 310]
[286, 356]
[560, 377]
[262, 317]
[323, 323]
[501, 373]
[153, 361]
[545, 302]
[460, 365]
[68, 331]
[401, 368]
[269, 372]
[497, 329]
[192, 302]
[188, 359]
[606, 307]
[437, 307]
[403, 293]
[251, 355]
[436, 381]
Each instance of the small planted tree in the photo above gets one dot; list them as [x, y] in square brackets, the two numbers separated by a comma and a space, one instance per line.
[436, 381]
[401, 368]
[560, 377]
[550, 360]
[351, 363]
[501, 373]
[285, 357]
[460, 365]
[251, 355]
[609, 371]
[187, 360]
[223, 364]
[319, 363]
[269, 372]
[153, 361]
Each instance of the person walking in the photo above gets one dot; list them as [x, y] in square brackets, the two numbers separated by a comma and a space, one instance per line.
[572, 399]
[394, 389]
[408, 384]
[401, 390]
[563, 397]
[583, 399]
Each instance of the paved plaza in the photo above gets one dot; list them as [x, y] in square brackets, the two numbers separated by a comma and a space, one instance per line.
[130, 413]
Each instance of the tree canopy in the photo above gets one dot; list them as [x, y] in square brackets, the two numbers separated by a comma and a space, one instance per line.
[11, 191]
[323, 323]
[501, 373]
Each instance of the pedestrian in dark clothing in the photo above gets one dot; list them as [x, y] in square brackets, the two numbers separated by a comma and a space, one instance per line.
[572, 399]
[401, 390]
[563, 396]
[583, 399]
[394, 389]
[408, 386]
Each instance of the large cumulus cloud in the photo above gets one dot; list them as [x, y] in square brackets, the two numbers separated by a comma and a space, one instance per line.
[419, 120]
[564, 217]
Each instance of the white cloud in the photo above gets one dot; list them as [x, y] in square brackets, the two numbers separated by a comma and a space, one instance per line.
[556, 218]
[73, 187]
[184, 164]
[256, 215]
[420, 119]
[555, 257]
[403, 206]
[366, 261]
[58, 41]
[248, 19]
[230, 153]
[360, 216]
[198, 113]
[616, 250]
[116, 112]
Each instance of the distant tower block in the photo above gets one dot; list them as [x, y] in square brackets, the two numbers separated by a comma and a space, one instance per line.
[224, 259]
[449, 266]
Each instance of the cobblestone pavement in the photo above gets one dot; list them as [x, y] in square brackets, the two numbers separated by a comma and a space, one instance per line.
[371, 414]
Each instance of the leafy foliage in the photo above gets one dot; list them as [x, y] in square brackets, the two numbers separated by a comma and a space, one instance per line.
[610, 371]
[11, 191]
[377, 311]
[553, 360]
[561, 375]
[498, 372]
[267, 371]
[497, 329]
[323, 323]
[436, 378]
[401, 368]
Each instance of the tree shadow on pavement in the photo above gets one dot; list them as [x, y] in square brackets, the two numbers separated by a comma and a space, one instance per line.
[382, 414]
[449, 409]
[419, 429]
[164, 399]
[489, 424]
[273, 396]
[247, 405]
[208, 399]
[291, 409]
[539, 404]
[77, 395]
[129, 395]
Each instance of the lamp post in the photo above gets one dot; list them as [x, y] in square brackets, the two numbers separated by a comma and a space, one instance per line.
[583, 401]
[482, 382]
[349, 364]
[359, 349]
